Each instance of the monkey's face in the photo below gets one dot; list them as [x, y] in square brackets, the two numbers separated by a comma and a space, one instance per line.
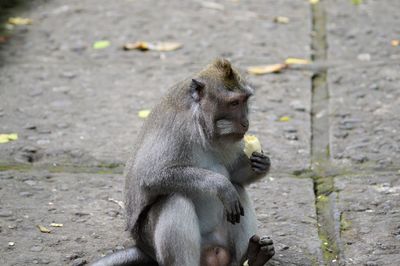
[222, 95]
[231, 115]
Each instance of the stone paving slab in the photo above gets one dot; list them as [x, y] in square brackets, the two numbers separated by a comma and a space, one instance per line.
[364, 84]
[83, 102]
[91, 222]
[368, 28]
[364, 116]
[370, 218]
[286, 211]
[94, 224]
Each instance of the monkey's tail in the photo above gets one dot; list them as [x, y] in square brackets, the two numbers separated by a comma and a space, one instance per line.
[127, 257]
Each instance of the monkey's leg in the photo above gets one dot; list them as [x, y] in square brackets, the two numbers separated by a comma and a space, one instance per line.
[130, 256]
[241, 233]
[176, 236]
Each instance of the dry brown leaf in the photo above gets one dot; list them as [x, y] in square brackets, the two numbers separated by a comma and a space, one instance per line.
[3, 39]
[296, 61]
[56, 225]
[19, 21]
[159, 46]
[213, 5]
[281, 20]
[395, 43]
[43, 229]
[166, 46]
[266, 69]
[142, 46]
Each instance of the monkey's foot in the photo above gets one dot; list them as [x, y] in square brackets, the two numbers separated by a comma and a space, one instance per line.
[260, 250]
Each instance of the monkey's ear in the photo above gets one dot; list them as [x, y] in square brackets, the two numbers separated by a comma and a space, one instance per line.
[197, 90]
[225, 66]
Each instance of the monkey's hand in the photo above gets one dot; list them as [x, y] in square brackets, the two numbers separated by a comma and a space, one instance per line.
[260, 163]
[231, 201]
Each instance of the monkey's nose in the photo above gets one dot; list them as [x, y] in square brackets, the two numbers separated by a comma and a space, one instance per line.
[245, 124]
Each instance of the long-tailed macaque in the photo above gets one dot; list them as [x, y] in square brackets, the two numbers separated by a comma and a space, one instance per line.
[185, 199]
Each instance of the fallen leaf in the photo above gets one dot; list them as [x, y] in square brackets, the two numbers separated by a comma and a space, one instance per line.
[313, 2]
[213, 5]
[4, 138]
[3, 39]
[11, 244]
[284, 119]
[43, 229]
[281, 20]
[395, 43]
[56, 225]
[166, 46]
[142, 46]
[101, 44]
[19, 21]
[296, 61]
[357, 2]
[266, 69]
[144, 113]
[246, 263]
[159, 46]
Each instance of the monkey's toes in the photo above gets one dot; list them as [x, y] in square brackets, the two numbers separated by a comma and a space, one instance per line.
[260, 250]
[266, 240]
[254, 246]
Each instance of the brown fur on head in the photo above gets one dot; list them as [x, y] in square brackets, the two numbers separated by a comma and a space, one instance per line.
[221, 70]
[220, 99]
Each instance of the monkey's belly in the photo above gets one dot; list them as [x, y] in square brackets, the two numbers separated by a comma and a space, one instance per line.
[212, 222]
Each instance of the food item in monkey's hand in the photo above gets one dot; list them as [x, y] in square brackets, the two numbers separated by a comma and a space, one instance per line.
[251, 144]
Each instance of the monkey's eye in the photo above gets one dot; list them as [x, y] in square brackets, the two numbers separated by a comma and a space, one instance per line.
[234, 103]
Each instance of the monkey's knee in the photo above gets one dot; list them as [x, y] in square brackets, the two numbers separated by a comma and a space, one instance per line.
[177, 235]
[215, 256]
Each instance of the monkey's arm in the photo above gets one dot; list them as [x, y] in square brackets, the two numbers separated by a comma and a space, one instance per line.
[193, 180]
[248, 170]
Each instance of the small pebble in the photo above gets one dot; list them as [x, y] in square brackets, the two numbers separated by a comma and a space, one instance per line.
[79, 262]
[25, 194]
[68, 75]
[284, 247]
[30, 182]
[364, 57]
[374, 87]
[36, 248]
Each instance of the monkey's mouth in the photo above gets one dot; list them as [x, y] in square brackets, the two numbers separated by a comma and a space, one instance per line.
[237, 136]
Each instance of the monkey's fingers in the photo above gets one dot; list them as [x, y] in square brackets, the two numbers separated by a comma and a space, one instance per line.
[230, 217]
[258, 154]
[259, 167]
[237, 216]
[260, 160]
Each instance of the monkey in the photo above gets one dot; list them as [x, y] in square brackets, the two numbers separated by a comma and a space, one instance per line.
[185, 196]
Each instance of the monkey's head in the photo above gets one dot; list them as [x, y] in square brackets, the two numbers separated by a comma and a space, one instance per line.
[221, 95]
